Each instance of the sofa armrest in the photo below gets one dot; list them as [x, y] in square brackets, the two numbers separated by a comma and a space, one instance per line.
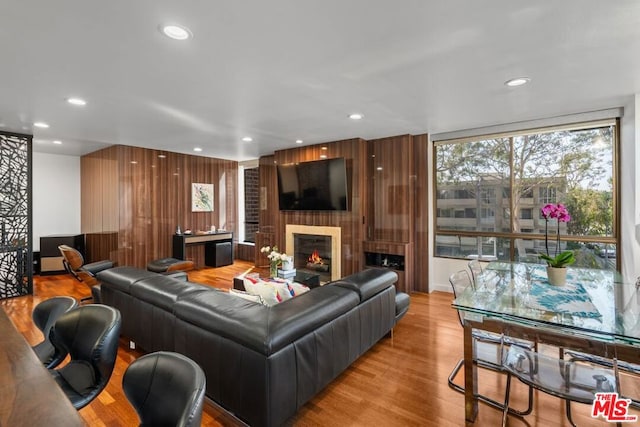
[368, 282]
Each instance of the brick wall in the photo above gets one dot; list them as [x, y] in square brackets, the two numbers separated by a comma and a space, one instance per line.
[251, 203]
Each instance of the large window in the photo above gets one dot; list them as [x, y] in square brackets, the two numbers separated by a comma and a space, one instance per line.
[507, 178]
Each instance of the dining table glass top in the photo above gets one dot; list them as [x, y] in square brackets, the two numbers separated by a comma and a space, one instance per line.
[593, 302]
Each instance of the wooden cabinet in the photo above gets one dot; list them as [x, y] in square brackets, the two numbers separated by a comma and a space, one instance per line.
[395, 256]
[390, 207]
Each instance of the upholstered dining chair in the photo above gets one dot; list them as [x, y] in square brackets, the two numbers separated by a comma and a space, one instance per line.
[488, 348]
[165, 388]
[44, 316]
[73, 262]
[89, 334]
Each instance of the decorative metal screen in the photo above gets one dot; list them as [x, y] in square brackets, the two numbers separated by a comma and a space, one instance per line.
[16, 265]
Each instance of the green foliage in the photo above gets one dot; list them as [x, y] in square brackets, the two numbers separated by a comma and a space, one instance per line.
[592, 212]
[561, 260]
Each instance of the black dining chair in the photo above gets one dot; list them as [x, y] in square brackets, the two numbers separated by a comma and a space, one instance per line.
[44, 316]
[89, 334]
[165, 388]
[488, 348]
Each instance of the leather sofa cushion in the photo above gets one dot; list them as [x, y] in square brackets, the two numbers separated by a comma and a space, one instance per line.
[264, 329]
[368, 282]
[163, 291]
[121, 278]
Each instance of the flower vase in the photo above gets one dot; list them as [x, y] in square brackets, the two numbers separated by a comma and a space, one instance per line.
[273, 270]
[557, 276]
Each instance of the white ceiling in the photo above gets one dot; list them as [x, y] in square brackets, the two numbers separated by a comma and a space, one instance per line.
[280, 70]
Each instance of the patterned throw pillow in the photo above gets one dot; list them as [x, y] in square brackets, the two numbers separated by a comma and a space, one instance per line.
[246, 295]
[265, 290]
[298, 288]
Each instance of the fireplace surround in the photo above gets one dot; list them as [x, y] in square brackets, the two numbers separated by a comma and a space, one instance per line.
[329, 252]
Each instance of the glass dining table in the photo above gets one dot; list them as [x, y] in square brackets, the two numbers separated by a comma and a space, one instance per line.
[595, 312]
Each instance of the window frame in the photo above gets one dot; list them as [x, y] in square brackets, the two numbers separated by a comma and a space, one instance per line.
[615, 237]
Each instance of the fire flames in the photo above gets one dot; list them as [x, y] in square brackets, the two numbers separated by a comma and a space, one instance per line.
[314, 258]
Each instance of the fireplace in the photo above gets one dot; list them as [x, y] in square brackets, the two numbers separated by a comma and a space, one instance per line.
[315, 249]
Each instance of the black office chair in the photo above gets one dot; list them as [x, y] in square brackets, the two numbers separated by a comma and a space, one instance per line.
[165, 388]
[44, 316]
[89, 334]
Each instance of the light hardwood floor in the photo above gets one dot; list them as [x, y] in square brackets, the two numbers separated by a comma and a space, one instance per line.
[402, 381]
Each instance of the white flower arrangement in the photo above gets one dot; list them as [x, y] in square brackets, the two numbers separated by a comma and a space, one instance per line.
[275, 257]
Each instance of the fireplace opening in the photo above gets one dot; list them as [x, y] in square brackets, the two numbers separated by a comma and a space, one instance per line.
[313, 255]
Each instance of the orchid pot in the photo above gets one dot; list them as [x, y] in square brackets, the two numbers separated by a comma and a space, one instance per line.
[557, 275]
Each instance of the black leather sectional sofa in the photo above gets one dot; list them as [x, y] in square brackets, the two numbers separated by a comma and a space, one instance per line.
[262, 363]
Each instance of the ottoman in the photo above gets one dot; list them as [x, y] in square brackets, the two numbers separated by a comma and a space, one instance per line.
[168, 265]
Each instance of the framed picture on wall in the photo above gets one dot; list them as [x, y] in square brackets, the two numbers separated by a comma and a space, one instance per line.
[201, 197]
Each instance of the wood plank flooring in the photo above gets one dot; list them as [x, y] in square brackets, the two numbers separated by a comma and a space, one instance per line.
[402, 381]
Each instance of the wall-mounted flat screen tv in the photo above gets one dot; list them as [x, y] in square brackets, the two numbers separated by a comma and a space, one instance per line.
[313, 186]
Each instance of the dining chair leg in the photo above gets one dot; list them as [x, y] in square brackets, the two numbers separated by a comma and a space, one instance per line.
[485, 399]
[567, 405]
[505, 411]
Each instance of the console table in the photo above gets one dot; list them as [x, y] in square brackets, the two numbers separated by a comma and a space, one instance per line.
[30, 396]
[218, 247]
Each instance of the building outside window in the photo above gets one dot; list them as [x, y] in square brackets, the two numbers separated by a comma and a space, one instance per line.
[507, 178]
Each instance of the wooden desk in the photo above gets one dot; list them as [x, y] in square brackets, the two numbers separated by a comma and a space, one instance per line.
[210, 240]
[28, 394]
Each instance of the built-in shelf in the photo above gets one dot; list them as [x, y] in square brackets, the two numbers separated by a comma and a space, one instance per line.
[391, 255]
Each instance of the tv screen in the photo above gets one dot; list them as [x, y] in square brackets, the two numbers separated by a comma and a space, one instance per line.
[313, 186]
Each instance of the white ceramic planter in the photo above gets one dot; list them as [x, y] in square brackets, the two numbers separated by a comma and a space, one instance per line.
[557, 276]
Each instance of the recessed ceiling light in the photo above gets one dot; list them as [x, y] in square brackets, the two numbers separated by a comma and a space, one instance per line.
[197, 149]
[176, 32]
[76, 101]
[299, 141]
[379, 168]
[356, 116]
[323, 148]
[41, 125]
[518, 81]
[247, 139]
[57, 142]
[133, 162]
[323, 156]
[161, 156]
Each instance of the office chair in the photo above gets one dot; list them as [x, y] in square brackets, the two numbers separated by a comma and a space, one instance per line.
[74, 264]
[89, 334]
[165, 388]
[44, 316]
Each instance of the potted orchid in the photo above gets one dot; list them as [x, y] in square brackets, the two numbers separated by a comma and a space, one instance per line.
[556, 265]
[275, 259]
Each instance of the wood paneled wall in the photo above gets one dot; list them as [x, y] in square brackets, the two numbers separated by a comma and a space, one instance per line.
[142, 195]
[421, 215]
[388, 205]
[273, 221]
